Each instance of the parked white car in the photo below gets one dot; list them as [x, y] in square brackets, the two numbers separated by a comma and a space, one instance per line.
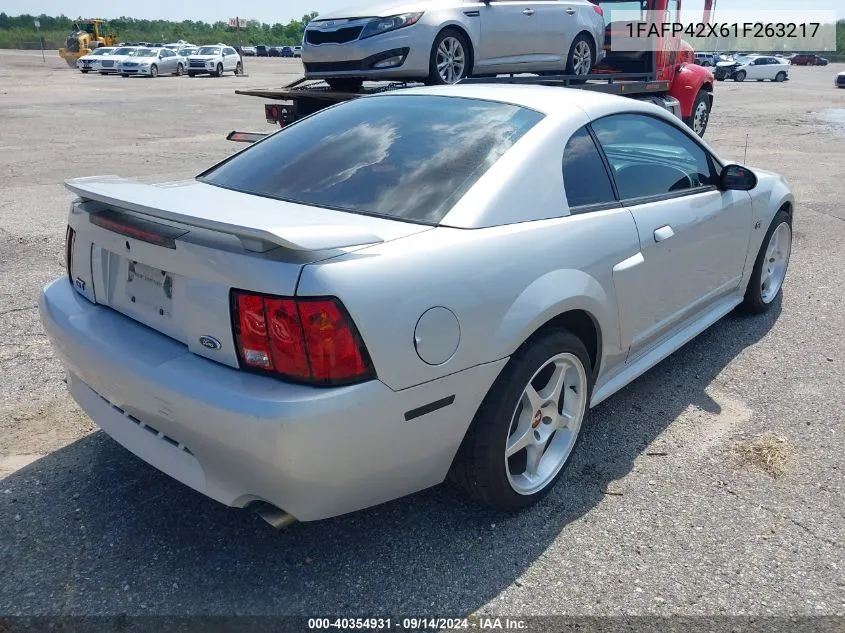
[214, 60]
[762, 68]
[91, 61]
[109, 62]
[248, 51]
[840, 80]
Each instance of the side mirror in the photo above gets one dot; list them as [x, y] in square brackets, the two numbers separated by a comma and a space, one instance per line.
[737, 178]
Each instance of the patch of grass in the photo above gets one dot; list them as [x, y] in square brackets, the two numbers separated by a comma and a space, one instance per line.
[768, 452]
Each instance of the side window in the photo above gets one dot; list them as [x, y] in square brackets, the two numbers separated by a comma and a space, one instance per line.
[650, 157]
[585, 178]
[229, 51]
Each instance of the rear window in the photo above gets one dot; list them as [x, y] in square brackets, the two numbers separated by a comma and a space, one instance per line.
[408, 157]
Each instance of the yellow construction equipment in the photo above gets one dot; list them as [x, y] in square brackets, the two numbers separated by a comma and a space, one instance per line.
[86, 35]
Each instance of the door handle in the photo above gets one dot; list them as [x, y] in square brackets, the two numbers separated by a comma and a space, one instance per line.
[528, 12]
[570, 10]
[663, 233]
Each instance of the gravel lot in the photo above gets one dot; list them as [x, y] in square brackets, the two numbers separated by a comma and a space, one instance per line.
[656, 515]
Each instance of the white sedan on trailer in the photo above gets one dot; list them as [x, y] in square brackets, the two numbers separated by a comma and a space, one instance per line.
[409, 285]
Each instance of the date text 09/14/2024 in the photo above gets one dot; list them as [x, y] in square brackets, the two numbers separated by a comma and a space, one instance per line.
[418, 623]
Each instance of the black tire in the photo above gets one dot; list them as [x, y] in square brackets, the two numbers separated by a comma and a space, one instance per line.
[740, 76]
[239, 68]
[753, 301]
[698, 119]
[190, 74]
[572, 66]
[434, 78]
[84, 72]
[218, 72]
[153, 71]
[345, 84]
[124, 75]
[180, 70]
[781, 76]
[479, 467]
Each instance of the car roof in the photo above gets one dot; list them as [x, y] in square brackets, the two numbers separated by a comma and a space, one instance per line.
[552, 101]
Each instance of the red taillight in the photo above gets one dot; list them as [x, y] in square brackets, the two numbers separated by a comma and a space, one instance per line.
[70, 241]
[306, 340]
[598, 10]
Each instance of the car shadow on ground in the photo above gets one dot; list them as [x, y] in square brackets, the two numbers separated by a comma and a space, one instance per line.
[91, 528]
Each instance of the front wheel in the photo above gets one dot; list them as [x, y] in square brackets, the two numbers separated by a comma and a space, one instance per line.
[528, 424]
[740, 76]
[153, 71]
[84, 72]
[218, 72]
[449, 59]
[190, 74]
[179, 70]
[700, 116]
[770, 266]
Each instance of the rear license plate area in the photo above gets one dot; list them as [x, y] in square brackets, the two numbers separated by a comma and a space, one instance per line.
[148, 290]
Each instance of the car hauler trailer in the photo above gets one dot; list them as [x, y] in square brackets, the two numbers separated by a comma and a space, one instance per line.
[666, 75]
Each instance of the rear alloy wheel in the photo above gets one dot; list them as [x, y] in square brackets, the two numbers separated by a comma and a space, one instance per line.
[449, 61]
[771, 265]
[153, 71]
[580, 60]
[528, 425]
[179, 70]
[740, 76]
[218, 72]
[781, 76]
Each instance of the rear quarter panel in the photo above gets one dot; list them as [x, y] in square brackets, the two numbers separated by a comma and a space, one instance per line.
[502, 283]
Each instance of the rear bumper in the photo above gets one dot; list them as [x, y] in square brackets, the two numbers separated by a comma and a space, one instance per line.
[239, 437]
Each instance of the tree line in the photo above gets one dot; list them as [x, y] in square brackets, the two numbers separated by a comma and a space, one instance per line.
[19, 31]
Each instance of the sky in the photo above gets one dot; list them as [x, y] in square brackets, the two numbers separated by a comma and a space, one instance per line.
[272, 11]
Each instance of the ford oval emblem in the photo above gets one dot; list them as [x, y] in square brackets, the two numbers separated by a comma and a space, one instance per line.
[209, 342]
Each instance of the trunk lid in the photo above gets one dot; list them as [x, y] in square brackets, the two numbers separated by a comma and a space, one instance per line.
[168, 255]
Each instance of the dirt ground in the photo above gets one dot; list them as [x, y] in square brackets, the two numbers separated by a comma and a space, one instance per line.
[658, 514]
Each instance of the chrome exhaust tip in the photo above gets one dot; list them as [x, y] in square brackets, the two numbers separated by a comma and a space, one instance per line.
[274, 516]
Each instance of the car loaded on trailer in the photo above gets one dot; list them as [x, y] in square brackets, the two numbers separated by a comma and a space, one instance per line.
[666, 75]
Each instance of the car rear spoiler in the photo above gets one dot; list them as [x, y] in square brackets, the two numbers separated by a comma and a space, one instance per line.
[157, 202]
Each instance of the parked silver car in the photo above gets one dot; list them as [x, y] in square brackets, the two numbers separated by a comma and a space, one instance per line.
[424, 282]
[152, 62]
[441, 41]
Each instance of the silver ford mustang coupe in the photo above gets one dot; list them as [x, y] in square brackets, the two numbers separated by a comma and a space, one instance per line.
[428, 283]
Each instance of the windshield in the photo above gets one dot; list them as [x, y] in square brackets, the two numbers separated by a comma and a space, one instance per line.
[123, 51]
[406, 157]
[145, 52]
[187, 51]
[209, 50]
[102, 51]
